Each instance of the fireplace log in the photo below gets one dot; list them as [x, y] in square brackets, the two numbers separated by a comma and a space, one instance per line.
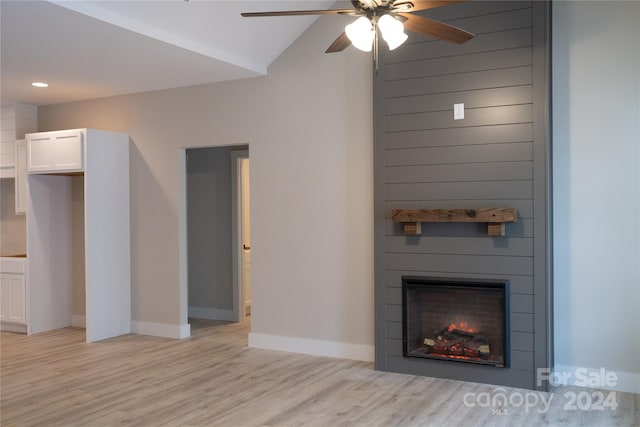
[464, 333]
[458, 342]
[444, 344]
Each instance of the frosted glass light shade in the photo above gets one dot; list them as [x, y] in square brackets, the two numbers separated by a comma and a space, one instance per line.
[392, 31]
[361, 33]
[396, 40]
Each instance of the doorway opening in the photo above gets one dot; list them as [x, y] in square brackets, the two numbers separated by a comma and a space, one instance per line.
[215, 233]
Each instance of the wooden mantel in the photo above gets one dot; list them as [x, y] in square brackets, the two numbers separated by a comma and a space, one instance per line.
[412, 219]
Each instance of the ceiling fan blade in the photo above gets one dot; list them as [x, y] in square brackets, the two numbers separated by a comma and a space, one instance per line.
[300, 12]
[340, 44]
[430, 4]
[439, 30]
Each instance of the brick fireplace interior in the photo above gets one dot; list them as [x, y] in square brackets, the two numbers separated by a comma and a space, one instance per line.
[496, 157]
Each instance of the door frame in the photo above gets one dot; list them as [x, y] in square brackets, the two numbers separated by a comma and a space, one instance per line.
[237, 214]
[184, 329]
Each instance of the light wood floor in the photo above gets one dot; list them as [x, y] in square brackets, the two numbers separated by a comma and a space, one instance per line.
[213, 379]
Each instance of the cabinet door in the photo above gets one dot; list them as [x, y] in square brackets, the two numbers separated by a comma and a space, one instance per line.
[49, 152]
[12, 306]
[21, 176]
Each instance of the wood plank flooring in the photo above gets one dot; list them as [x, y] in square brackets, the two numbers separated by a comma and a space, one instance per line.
[213, 379]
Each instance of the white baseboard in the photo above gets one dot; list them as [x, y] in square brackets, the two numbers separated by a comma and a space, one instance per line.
[314, 347]
[161, 329]
[78, 321]
[576, 376]
[212, 314]
[13, 327]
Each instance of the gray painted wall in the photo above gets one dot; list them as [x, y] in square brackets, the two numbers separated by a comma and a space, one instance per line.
[209, 227]
[596, 152]
[309, 125]
[495, 157]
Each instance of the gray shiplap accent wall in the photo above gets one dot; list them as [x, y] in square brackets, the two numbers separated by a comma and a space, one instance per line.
[496, 157]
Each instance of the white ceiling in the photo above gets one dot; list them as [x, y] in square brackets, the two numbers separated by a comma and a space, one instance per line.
[93, 49]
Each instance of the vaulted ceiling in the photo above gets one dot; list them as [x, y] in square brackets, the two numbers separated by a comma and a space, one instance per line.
[93, 49]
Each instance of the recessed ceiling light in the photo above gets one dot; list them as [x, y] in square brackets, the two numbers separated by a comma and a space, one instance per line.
[39, 84]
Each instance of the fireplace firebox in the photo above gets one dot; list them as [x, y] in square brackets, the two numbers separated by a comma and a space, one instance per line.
[459, 320]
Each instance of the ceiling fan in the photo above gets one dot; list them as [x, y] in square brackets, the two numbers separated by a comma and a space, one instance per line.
[387, 17]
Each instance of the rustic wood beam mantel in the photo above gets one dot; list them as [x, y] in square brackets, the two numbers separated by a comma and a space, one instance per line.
[412, 219]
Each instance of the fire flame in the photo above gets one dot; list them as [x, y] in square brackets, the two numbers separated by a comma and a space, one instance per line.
[462, 327]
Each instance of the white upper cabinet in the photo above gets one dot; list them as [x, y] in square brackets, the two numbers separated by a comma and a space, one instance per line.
[55, 152]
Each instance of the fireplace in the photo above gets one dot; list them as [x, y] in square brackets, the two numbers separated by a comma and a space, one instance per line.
[458, 320]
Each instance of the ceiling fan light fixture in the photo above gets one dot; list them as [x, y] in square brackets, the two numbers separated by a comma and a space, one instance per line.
[392, 31]
[391, 16]
[396, 40]
[361, 33]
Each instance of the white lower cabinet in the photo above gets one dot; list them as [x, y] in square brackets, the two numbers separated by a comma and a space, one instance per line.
[12, 291]
[12, 297]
